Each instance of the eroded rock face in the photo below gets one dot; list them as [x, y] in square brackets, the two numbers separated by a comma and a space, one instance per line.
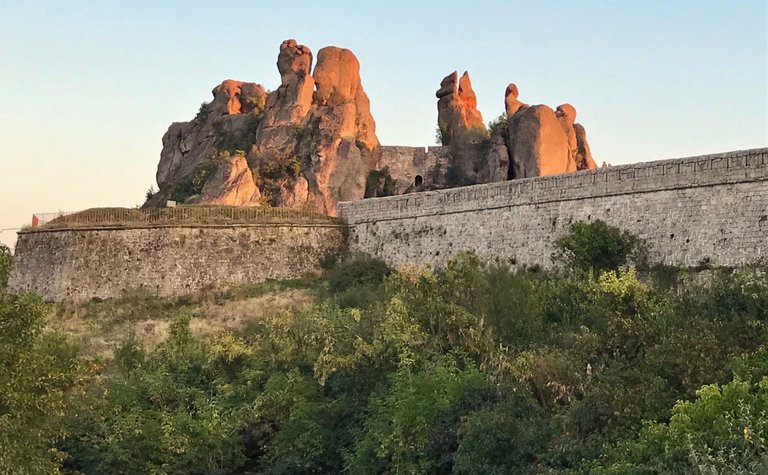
[539, 146]
[287, 107]
[232, 184]
[457, 107]
[314, 142]
[339, 140]
[187, 144]
[541, 141]
[584, 159]
[511, 104]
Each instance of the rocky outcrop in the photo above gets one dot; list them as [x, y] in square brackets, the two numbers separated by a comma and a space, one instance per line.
[543, 142]
[511, 104]
[311, 142]
[232, 184]
[339, 139]
[287, 107]
[538, 145]
[457, 107]
[186, 144]
[584, 159]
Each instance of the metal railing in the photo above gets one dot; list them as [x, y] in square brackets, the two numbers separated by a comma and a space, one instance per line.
[181, 215]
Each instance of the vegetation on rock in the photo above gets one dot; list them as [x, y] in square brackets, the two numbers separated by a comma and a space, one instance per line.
[192, 184]
[379, 183]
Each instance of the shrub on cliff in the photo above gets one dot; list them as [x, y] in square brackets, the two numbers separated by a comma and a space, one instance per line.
[193, 183]
[597, 246]
[5, 266]
[379, 184]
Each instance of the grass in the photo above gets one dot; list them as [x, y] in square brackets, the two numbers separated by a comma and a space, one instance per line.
[187, 215]
[99, 326]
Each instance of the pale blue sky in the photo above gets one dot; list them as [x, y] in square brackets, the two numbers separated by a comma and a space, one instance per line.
[87, 89]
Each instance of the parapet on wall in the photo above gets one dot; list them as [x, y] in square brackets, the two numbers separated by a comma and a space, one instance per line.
[688, 210]
[80, 264]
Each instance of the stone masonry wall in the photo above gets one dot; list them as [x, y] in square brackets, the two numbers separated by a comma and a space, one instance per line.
[80, 264]
[405, 163]
[710, 207]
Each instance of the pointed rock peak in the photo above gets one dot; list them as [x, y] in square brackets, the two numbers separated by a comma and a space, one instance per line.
[466, 92]
[511, 91]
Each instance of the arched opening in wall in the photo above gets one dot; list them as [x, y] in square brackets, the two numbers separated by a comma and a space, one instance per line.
[419, 180]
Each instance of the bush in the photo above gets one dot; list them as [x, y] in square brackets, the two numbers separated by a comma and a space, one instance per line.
[241, 139]
[192, 184]
[151, 192]
[598, 246]
[442, 134]
[498, 126]
[272, 171]
[454, 176]
[359, 271]
[39, 374]
[379, 183]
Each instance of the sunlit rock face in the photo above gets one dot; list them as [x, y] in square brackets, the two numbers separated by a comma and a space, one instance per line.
[340, 133]
[312, 142]
[232, 185]
[457, 107]
[187, 144]
[541, 141]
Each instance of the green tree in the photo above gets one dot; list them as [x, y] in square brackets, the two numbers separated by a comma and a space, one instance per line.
[597, 246]
[723, 431]
[40, 377]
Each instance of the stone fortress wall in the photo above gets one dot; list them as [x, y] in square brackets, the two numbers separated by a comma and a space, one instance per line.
[689, 210]
[713, 207]
[80, 264]
[407, 163]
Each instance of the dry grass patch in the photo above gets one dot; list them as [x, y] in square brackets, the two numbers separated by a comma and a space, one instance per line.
[99, 326]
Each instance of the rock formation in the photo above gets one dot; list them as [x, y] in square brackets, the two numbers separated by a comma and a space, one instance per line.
[187, 144]
[511, 104]
[232, 184]
[541, 141]
[287, 107]
[537, 144]
[584, 159]
[311, 142]
[457, 107]
[340, 133]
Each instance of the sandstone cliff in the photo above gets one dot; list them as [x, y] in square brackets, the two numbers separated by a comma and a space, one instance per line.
[541, 141]
[310, 143]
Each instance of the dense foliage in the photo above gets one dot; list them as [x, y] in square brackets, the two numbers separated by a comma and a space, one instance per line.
[379, 183]
[474, 368]
[40, 376]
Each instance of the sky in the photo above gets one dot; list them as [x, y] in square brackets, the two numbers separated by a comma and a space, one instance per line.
[87, 89]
